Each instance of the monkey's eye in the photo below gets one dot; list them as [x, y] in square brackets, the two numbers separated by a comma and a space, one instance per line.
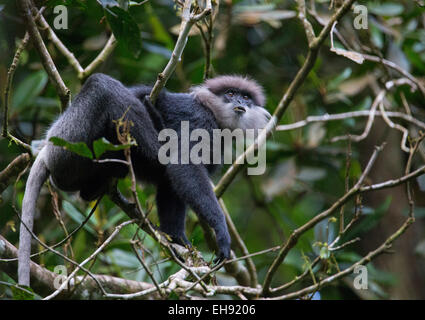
[246, 97]
[230, 93]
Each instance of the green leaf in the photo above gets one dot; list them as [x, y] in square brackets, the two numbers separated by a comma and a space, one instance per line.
[112, 221]
[78, 217]
[133, 3]
[124, 4]
[123, 258]
[344, 75]
[173, 296]
[369, 220]
[29, 89]
[376, 36]
[160, 32]
[79, 148]
[324, 253]
[102, 145]
[386, 9]
[124, 28]
[19, 294]
[79, 245]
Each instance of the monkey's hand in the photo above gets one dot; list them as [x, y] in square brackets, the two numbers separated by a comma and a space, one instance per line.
[223, 242]
[181, 240]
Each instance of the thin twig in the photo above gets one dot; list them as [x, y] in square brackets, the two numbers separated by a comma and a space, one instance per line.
[293, 239]
[369, 123]
[348, 115]
[12, 170]
[134, 245]
[241, 244]
[82, 73]
[9, 80]
[308, 28]
[188, 20]
[92, 256]
[369, 257]
[48, 64]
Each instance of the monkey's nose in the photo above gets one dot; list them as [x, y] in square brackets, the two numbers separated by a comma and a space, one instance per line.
[239, 109]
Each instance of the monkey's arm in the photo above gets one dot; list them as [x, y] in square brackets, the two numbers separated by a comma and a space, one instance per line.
[191, 184]
[156, 117]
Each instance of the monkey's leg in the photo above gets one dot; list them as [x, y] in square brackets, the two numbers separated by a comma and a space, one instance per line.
[192, 185]
[94, 189]
[172, 213]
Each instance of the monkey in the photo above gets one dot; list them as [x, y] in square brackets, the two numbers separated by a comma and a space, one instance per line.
[228, 101]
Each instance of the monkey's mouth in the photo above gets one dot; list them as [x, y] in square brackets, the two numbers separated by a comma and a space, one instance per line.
[239, 110]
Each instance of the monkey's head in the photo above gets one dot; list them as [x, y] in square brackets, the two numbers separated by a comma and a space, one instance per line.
[236, 102]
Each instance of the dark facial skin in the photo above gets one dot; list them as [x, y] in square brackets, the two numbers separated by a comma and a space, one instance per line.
[240, 100]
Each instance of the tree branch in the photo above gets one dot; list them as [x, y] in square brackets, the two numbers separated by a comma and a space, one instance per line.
[42, 280]
[82, 73]
[46, 59]
[188, 20]
[13, 170]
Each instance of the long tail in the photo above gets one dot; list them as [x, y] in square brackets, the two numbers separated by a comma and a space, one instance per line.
[38, 175]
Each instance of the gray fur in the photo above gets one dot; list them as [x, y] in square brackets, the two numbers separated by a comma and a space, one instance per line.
[91, 116]
[218, 84]
[255, 117]
[37, 176]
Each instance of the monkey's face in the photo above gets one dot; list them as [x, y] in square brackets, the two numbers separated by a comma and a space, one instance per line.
[242, 112]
